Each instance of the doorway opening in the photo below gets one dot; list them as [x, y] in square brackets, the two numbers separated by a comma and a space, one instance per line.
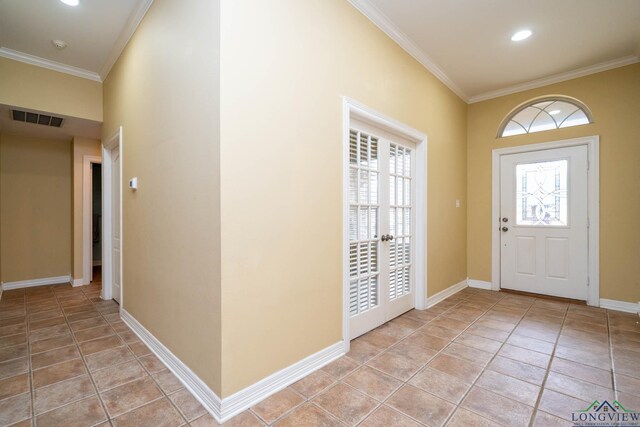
[91, 218]
[545, 229]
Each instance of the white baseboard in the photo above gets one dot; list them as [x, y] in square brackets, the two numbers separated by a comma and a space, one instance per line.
[611, 304]
[97, 263]
[36, 282]
[479, 284]
[77, 282]
[446, 293]
[223, 409]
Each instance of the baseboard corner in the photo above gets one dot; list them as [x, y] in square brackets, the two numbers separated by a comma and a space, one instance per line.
[224, 409]
[479, 284]
[446, 293]
[627, 307]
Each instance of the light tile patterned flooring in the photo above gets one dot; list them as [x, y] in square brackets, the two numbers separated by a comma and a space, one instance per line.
[479, 358]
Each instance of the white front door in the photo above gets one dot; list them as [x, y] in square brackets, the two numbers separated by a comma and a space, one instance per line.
[381, 227]
[115, 206]
[544, 223]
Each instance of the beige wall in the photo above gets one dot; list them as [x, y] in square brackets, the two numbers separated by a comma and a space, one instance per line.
[35, 176]
[614, 99]
[285, 66]
[164, 91]
[80, 147]
[31, 87]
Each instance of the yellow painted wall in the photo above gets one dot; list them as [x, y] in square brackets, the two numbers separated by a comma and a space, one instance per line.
[614, 99]
[285, 66]
[164, 91]
[80, 147]
[31, 87]
[35, 176]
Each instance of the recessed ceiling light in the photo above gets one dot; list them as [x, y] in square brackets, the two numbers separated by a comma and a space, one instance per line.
[554, 112]
[59, 44]
[520, 35]
[71, 2]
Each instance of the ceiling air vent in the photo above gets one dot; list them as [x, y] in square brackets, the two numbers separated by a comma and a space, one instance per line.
[40, 119]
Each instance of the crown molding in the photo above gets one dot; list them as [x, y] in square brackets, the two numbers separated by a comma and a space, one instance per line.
[127, 32]
[51, 65]
[390, 29]
[556, 78]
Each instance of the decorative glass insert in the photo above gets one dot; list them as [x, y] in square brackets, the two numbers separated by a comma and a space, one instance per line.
[545, 114]
[542, 193]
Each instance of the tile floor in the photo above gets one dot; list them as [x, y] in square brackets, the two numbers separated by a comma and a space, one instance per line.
[477, 359]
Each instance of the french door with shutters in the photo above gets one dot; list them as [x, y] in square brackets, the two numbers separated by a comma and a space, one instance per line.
[544, 223]
[381, 227]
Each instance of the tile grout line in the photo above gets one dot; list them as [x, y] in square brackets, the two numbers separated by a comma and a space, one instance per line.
[613, 367]
[404, 383]
[82, 356]
[464, 396]
[548, 369]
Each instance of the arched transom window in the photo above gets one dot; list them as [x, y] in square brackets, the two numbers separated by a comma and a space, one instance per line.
[546, 113]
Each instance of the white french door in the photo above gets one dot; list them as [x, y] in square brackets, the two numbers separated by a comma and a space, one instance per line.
[381, 227]
[544, 223]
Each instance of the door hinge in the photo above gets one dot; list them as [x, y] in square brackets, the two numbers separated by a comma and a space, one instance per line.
[588, 222]
[588, 281]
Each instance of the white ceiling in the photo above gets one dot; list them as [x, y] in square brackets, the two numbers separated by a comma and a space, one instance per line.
[96, 31]
[467, 43]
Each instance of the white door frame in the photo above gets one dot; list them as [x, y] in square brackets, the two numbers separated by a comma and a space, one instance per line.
[593, 210]
[87, 217]
[352, 109]
[110, 143]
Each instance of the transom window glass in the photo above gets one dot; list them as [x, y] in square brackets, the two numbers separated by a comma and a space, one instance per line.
[545, 114]
[542, 193]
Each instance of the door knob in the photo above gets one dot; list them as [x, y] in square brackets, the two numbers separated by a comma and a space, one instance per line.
[389, 237]
[386, 237]
[505, 219]
[505, 228]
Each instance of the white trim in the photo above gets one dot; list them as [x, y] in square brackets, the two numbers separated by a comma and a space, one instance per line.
[224, 409]
[479, 284]
[36, 282]
[593, 185]
[76, 282]
[556, 78]
[446, 293]
[275, 382]
[390, 29]
[353, 109]
[107, 246]
[47, 63]
[87, 216]
[128, 30]
[611, 304]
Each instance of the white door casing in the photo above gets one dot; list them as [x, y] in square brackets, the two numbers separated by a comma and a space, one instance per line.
[112, 217]
[543, 196]
[410, 290]
[116, 224]
[592, 208]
